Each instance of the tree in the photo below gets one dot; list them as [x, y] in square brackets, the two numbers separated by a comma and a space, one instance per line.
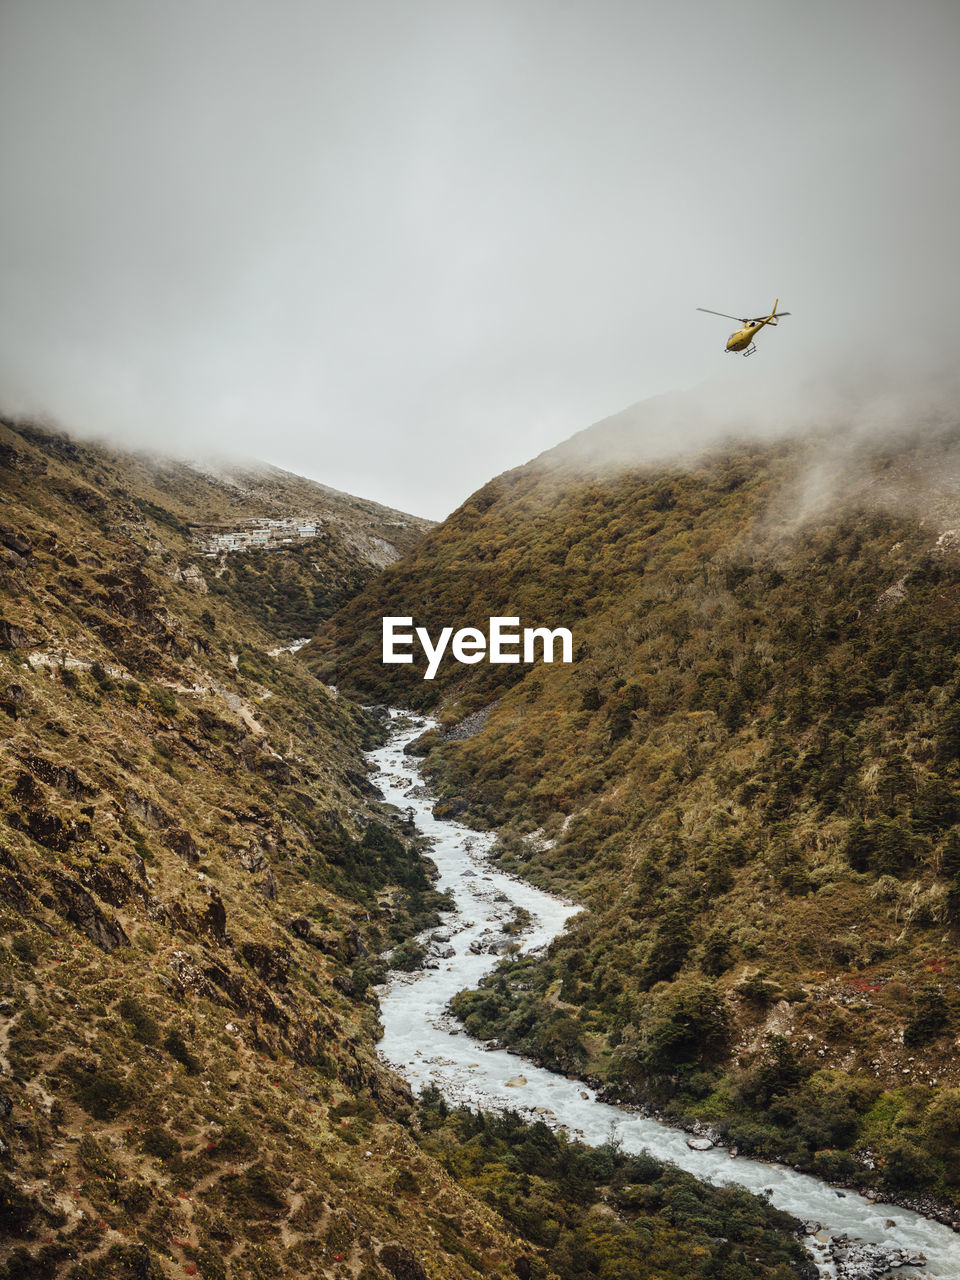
[931, 1012]
[668, 950]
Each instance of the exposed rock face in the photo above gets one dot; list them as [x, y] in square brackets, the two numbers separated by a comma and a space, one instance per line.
[145, 811]
[13, 636]
[270, 962]
[253, 858]
[214, 919]
[15, 887]
[48, 829]
[401, 1264]
[57, 774]
[13, 541]
[81, 909]
[268, 885]
[191, 577]
[13, 698]
[181, 842]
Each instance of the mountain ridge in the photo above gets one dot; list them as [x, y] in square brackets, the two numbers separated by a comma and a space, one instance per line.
[197, 883]
[748, 775]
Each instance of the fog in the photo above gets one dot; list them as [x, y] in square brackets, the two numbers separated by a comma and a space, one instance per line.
[400, 248]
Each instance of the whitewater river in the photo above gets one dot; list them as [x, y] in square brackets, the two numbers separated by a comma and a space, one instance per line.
[427, 1045]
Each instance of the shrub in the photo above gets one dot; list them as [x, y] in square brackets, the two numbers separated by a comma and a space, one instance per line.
[905, 1167]
[159, 1142]
[24, 948]
[256, 1191]
[101, 1093]
[163, 699]
[178, 1048]
[690, 1024]
[931, 1012]
[103, 681]
[668, 950]
[144, 1025]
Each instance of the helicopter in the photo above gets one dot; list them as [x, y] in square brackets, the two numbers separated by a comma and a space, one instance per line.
[741, 342]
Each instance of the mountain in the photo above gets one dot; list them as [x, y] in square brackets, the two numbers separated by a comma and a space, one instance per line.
[749, 774]
[196, 884]
[195, 505]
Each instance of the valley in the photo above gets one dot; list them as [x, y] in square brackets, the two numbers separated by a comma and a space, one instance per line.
[748, 777]
[741, 791]
[479, 755]
[848, 1235]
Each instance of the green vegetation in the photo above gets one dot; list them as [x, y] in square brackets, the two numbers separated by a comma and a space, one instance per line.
[291, 591]
[595, 1212]
[195, 883]
[750, 776]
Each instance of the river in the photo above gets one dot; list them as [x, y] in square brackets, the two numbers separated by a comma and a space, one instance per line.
[425, 1044]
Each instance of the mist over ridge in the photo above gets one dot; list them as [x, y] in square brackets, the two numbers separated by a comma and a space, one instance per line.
[400, 254]
[883, 437]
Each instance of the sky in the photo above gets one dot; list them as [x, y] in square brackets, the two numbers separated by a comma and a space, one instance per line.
[400, 247]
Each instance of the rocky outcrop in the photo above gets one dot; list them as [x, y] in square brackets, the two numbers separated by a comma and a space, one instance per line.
[183, 844]
[13, 698]
[401, 1264]
[13, 636]
[59, 775]
[11, 540]
[16, 888]
[48, 828]
[146, 811]
[855, 1260]
[271, 963]
[190, 577]
[80, 908]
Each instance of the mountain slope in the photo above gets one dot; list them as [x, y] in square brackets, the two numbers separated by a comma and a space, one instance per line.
[185, 505]
[749, 774]
[196, 879]
[194, 882]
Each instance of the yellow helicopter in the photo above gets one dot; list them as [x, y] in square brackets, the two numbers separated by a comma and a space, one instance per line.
[741, 342]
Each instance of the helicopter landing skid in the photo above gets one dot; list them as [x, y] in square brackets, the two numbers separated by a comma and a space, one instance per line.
[751, 350]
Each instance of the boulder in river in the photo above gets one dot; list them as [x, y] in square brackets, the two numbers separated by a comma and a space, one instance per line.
[699, 1144]
[858, 1260]
[515, 1082]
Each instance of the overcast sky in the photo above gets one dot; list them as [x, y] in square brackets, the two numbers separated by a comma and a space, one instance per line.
[400, 245]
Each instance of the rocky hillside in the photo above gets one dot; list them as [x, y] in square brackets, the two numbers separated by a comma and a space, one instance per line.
[196, 883]
[750, 774]
[289, 591]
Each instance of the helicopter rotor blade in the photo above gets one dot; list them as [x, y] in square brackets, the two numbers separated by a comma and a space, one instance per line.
[726, 315]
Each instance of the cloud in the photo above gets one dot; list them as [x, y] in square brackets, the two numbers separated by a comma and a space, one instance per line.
[401, 247]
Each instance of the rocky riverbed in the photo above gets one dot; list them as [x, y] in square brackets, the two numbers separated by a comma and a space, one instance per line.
[848, 1236]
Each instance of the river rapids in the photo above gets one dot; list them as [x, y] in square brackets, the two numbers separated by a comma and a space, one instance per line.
[427, 1045]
